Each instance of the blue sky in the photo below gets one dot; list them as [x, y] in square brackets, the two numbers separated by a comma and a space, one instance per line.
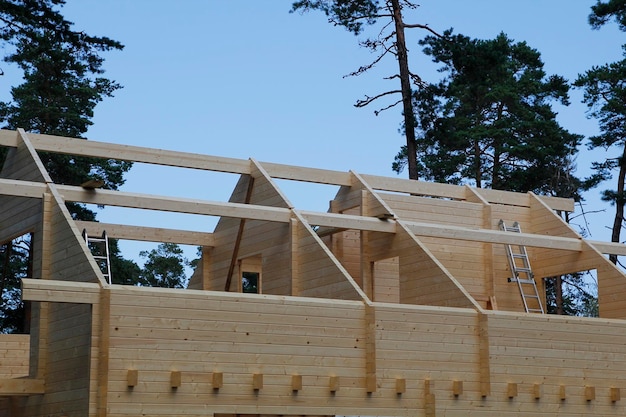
[245, 78]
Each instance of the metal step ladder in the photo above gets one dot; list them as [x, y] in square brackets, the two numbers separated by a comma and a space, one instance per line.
[522, 273]
[99, 248]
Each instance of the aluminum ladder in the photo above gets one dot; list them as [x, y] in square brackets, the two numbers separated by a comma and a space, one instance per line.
[522, 273]
[99, 248]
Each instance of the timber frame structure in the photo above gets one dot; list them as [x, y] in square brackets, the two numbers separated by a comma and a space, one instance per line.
[395, 302]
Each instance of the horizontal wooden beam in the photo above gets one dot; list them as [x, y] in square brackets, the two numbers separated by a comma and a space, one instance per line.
[21, 386]
[347, 221]
[8, 138]
[58, 144]
[19, 188]
[608, 248]
[402, 185]
[60, 291]
[106, 150]
[148, 234]
[494, 236]
[316, 175]
[174, 204]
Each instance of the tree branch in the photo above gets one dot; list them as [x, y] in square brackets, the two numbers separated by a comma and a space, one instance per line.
[368, 99]
[377, 112]
[419, 26]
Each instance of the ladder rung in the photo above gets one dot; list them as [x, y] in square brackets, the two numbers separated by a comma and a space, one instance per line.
[535, 310]
[527, 270]
[531, 296]
[519, 255]
[95, 239]
[522, 281]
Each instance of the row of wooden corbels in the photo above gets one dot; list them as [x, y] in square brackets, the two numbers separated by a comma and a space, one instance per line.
[537, 391]
[217, 381]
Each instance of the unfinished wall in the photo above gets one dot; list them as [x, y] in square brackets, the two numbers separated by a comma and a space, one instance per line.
[14, 355]
[269, 240]
[463, 259]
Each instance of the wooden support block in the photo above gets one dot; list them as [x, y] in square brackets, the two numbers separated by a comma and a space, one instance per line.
[334, 383]
[370, 383]
[21, 386]
[92, 184]
[590, 392]
[615, 394]
[217, 380]
[132, 377]
[511, 390]
[537, 391]
[400, 385]
[562, 393]
[257, 382]
[175, 379]
[429, 398]
[296, 382]
[457, 388]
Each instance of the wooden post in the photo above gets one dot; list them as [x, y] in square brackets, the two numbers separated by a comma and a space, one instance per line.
[483, 355]
[370, 348]
[429, 398]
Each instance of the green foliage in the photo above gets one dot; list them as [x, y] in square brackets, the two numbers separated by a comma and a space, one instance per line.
[164, 267]
[123, 271]
[351, 14]
[605, 95]
[577, 297]
[14, 265]
[62, 85]
[602, 12]
[489, 122]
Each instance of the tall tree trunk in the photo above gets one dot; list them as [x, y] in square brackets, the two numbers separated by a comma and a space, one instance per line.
[405, 84]
[619, 203]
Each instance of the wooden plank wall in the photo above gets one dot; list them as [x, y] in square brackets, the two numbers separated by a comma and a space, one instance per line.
[319, 273]
[463, 259]
[219, 342]
[566, 358]
[386, 278]
[198, 352]
[63, 341]
[19, 215]
[422, 280]
[70, 259]
[14, 355]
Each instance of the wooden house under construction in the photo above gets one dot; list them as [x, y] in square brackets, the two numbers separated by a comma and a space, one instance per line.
[406, 298]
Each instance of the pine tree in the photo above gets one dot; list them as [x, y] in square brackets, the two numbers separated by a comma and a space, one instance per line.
[63, 83]
[489, 122]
